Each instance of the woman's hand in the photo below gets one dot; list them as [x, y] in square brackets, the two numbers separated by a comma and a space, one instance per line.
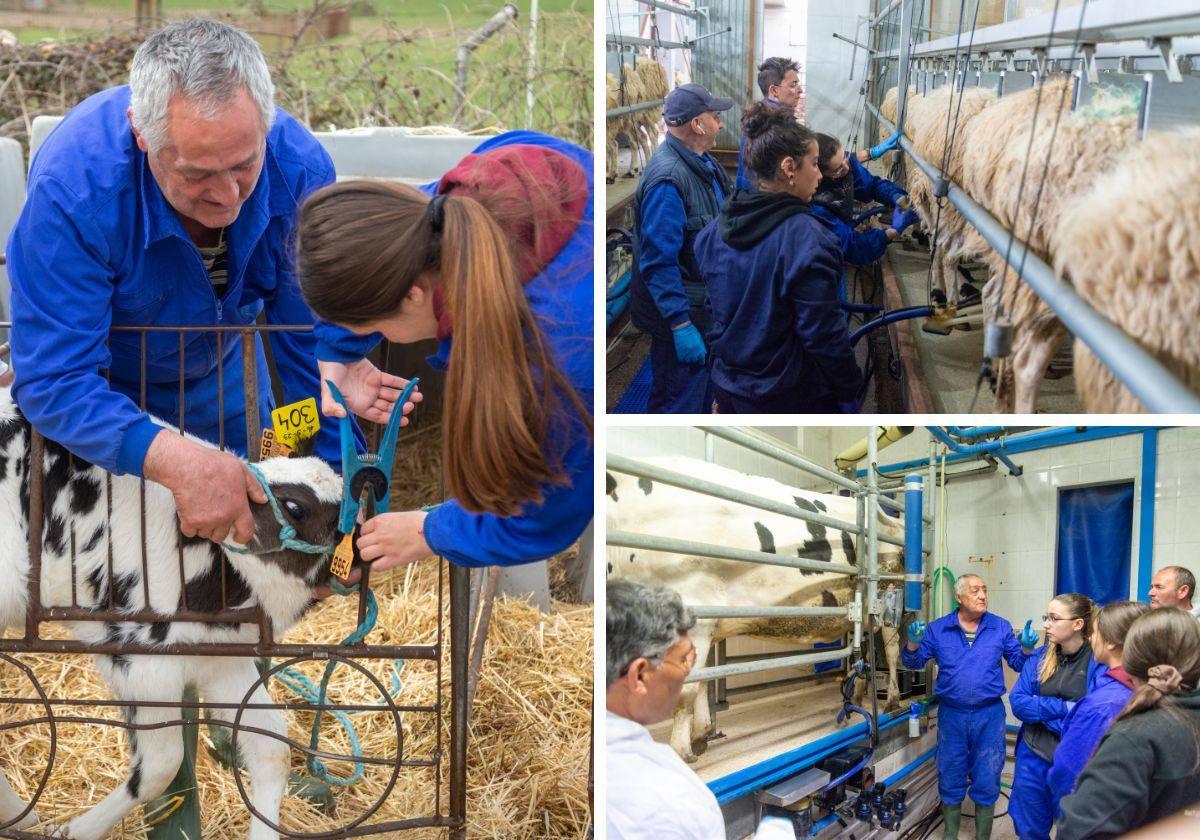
[394, 539]
[369, 392]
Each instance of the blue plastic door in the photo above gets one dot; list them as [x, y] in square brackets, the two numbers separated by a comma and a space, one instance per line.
[1095, 541]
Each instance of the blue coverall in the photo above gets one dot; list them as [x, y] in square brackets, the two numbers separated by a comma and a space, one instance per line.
[969, 686]
[97, 246]
[741, 182]
[862, 247]
[1031, 805]
[561, 298]
[1082, 730]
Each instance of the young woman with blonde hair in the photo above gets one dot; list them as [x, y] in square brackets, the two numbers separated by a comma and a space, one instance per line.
[1147, 767]
[496, 265]
[1055, 677]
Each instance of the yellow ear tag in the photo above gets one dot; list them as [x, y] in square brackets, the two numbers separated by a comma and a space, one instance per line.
[272, 448]
[296, 422]
[343, 557]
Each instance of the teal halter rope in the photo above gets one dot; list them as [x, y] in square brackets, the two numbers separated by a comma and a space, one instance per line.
[287, 533]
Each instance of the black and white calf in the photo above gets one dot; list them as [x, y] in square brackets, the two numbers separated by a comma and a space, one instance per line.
[76, 510]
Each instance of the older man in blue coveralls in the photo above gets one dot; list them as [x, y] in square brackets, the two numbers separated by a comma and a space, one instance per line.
[968, 645]
[170, 201]
[680, 191]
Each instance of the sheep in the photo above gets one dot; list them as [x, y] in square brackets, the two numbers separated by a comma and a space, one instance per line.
[612, 126]
[887, 110]
[643, 81]
[78, 497]
[1085, 146]
[930, 135]
[652, 84]
[1143, 273]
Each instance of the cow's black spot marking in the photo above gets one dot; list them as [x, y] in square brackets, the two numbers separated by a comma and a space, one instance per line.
[97, 581]
[121, 662]
[85, 493]
[159, 630]
[135, 779]
[827, 599]
[645, 485]
[804, 504]
[55, 536]
[610, 485]
[631, 557]
[848, 548]
[3, 468]
[610, 568]
[94, 539]
[9, 429]
[766, 540]
[204, 591]
[820, 505]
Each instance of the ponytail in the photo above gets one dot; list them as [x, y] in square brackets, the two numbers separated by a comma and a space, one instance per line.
[1162, 649]
[361, 247]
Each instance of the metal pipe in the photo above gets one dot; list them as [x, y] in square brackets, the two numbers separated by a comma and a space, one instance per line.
[673, 8]
[884, 12]
[872, 511]
[973, 432]
[902, 69]
[1157, 388]
[647, 542]
[463, 54]
[718, 671]
[633, 467]
[914, 529]
[783, 453]
[635, 41]
[766, 612]
[460, 710]
[855, 452]
[1144, 106]
[629, 109]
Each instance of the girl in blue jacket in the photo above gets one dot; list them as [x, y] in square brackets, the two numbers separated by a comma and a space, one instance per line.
[497, 266]
[778, 341]
[845, 181]
[1053, 680]
[1086, 724]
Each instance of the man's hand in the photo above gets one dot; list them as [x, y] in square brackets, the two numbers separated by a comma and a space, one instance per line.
[212, 489]
[394, 539]
[370, 393]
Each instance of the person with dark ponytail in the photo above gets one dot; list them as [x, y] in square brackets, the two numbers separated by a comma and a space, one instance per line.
[1147, 767]
[1055, 677]
[779, 340]
[845, 180]
[496, 265]
[1086, 724]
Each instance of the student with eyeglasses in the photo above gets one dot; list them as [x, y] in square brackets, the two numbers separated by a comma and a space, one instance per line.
[1055, 677]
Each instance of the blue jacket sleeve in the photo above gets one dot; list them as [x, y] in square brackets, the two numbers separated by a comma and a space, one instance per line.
[57, 253]
[812, 286]
[1013, 655]
[859, 247]
[868, 187]
[473, 539]
[741, 182]
[914, 660]
[1027, 702]
[1082, 731]
[661, 239]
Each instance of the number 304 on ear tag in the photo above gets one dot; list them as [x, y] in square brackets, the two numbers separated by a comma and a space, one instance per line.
[343, 557]
[296, 422]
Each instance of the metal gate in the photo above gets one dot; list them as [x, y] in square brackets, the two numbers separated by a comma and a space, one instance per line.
[448, 811]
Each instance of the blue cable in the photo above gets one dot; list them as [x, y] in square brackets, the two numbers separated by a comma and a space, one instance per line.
[304, 688]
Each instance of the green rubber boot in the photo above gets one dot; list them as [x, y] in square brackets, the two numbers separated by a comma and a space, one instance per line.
[983, 821]
[951, 816]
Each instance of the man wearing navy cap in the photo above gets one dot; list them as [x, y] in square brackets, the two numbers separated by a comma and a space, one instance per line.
[681, 191]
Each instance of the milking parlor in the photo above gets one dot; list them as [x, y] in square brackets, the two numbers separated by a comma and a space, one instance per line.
[898, 632]
[905, 206]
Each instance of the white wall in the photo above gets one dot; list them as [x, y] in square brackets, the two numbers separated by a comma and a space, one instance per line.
[785, 33]
[831, 94]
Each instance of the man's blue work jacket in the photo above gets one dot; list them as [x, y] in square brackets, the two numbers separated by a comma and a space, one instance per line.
[869, 187]
[969, 676]
[561, 298]
[1083, 729]
[97, 246]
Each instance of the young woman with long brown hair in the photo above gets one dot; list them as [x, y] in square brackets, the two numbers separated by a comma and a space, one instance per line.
[1148, 765]
[497, 265]
[1055, 677]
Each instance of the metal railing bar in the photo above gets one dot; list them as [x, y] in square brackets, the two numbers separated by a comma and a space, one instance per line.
[628, 539]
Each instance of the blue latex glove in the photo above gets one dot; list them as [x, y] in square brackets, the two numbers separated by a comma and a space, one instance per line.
[886, 146]
[689, 346]
[916, 632]
[1028, 637]
[902, 219]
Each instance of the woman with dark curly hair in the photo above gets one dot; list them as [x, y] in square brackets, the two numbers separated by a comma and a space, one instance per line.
[779, 341]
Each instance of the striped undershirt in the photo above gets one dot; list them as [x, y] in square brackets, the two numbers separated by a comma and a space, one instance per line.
[216, 263]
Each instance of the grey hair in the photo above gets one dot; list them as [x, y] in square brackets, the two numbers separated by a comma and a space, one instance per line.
[1183, 577]
[960, 586]
[204, 61]
[641, 621]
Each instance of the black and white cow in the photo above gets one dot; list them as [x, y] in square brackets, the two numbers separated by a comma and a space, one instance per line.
[645, 507]
[77, 501]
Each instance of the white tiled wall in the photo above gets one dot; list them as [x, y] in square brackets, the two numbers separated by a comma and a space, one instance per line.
[830, 92]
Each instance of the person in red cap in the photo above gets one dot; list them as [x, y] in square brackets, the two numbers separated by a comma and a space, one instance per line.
[497, 265]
